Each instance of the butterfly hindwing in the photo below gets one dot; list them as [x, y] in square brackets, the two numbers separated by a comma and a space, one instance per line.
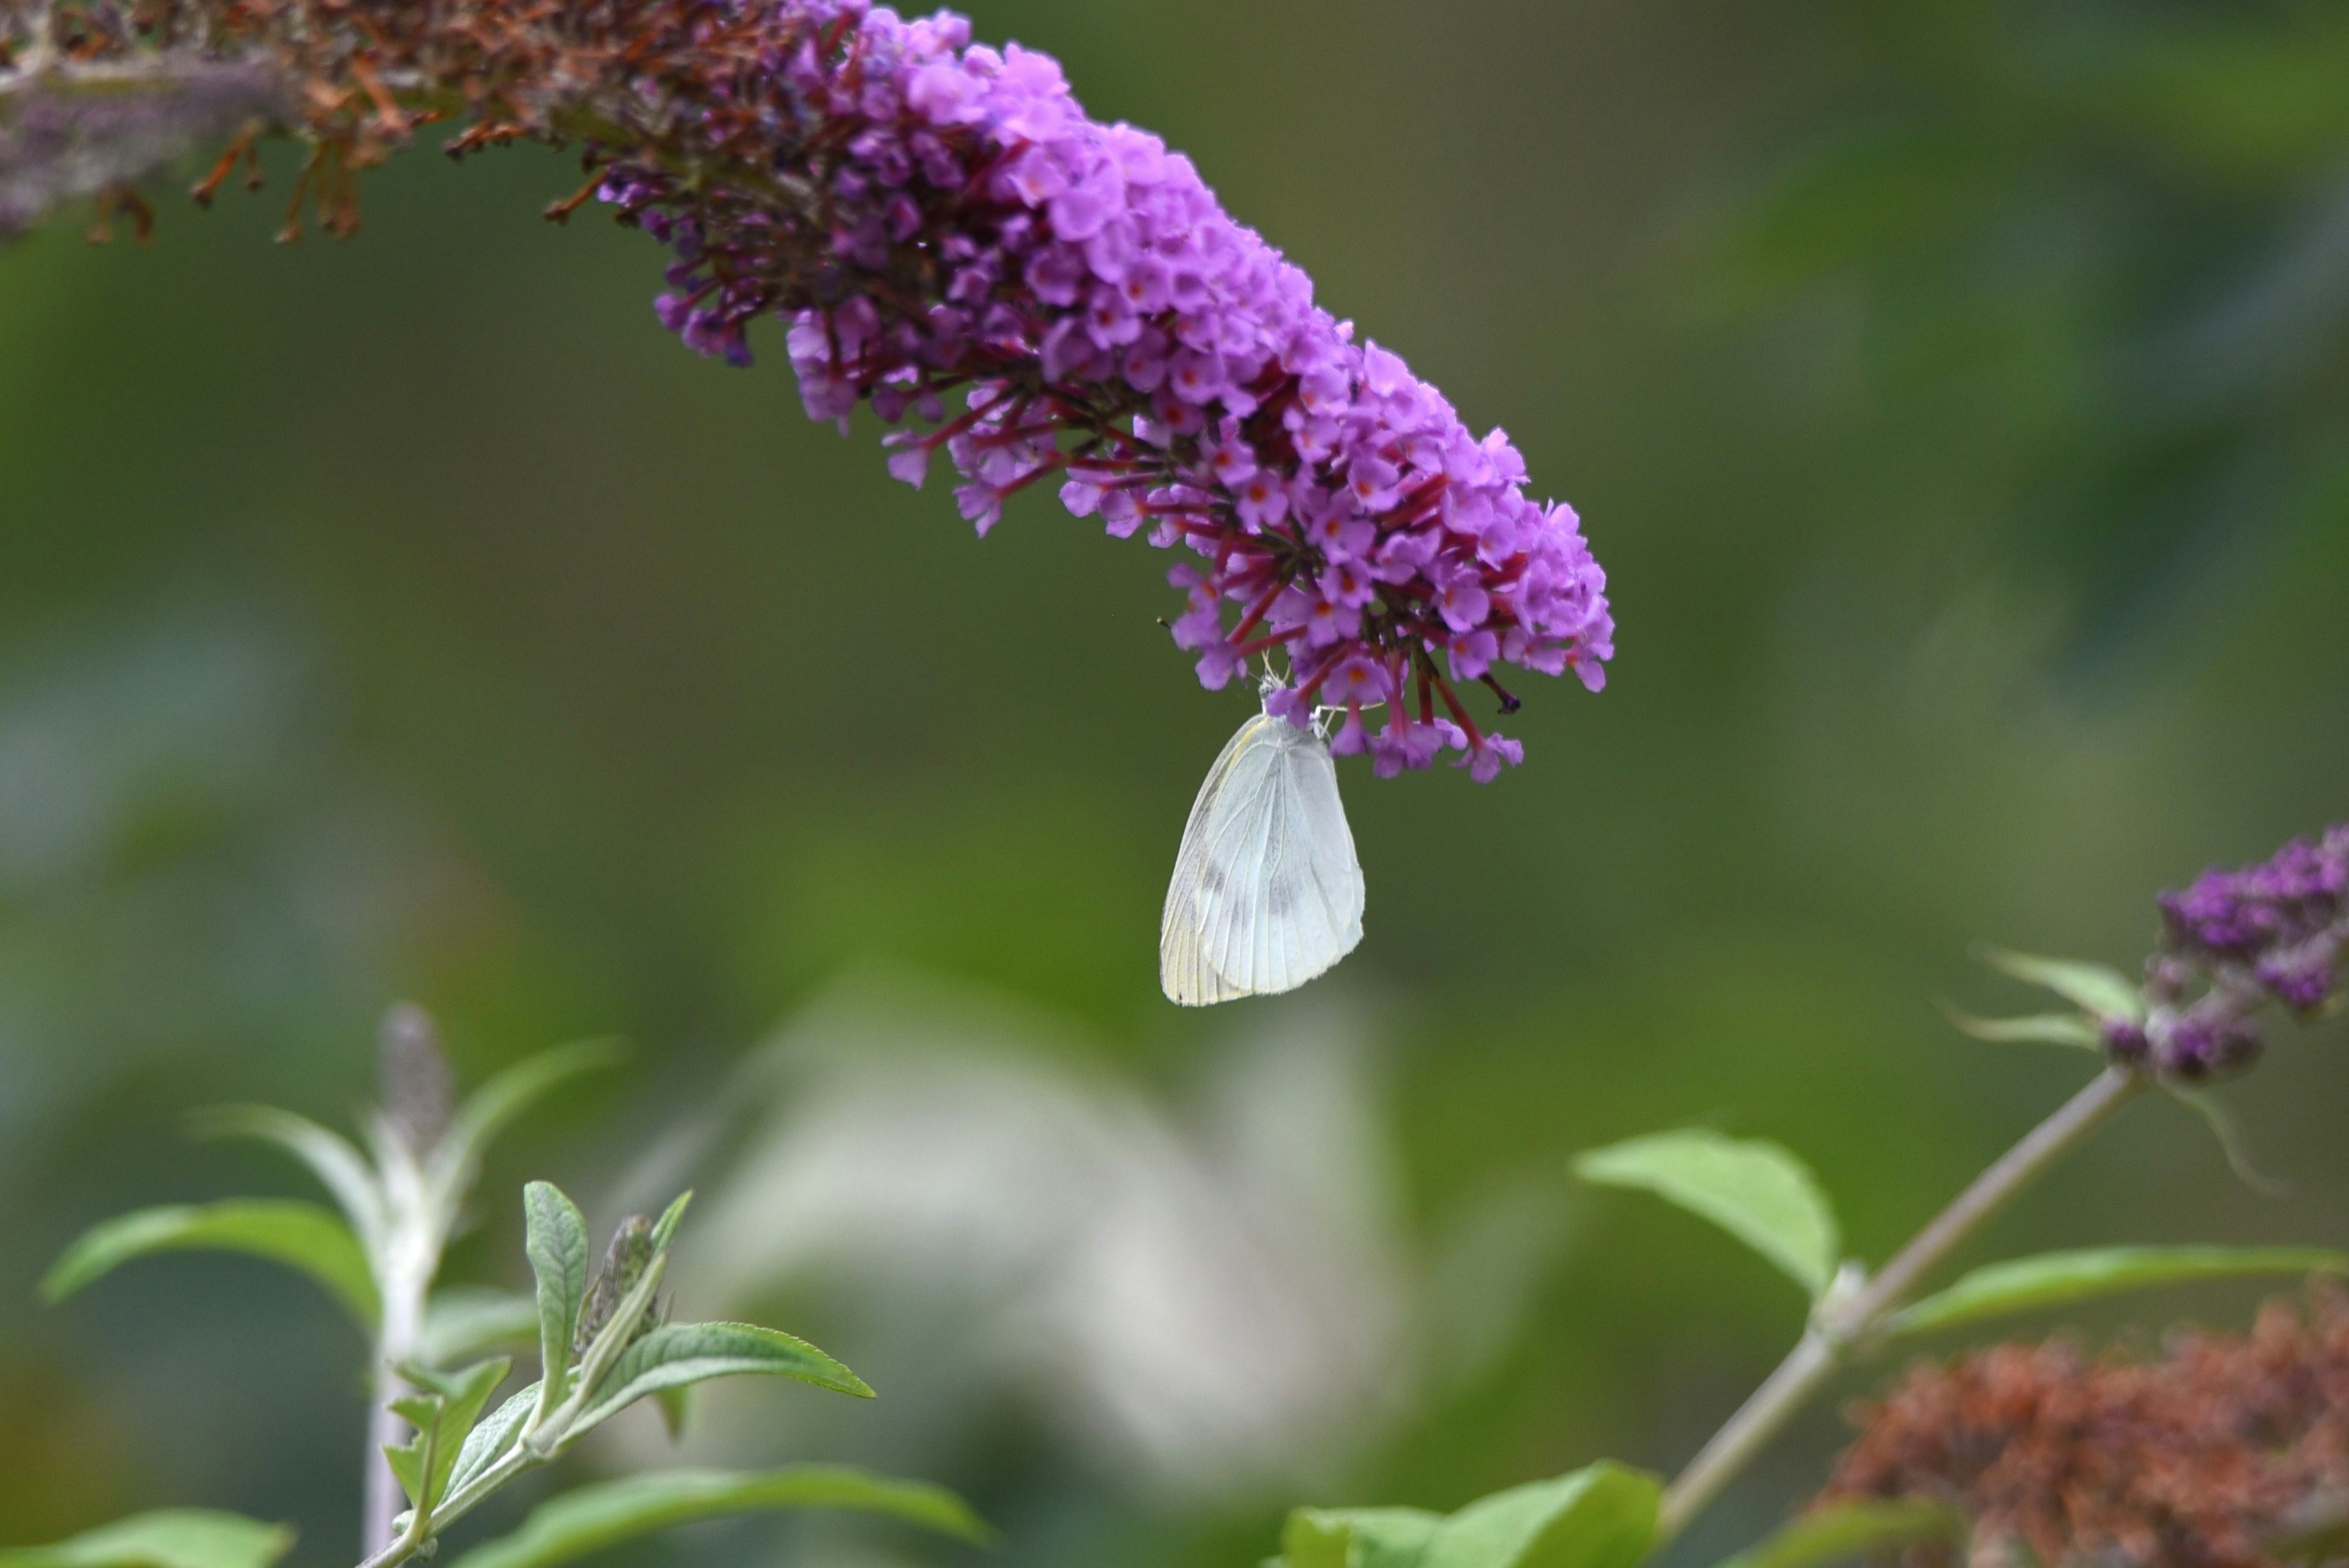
[1267, 892]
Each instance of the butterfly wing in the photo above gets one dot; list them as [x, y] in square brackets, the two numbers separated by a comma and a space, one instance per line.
[1267, 892]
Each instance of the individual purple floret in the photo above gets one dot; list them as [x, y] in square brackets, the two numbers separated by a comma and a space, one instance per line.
[951, 238]
[2274, 931]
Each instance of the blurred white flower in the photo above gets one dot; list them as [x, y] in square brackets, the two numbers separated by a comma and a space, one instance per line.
[1211, 1307]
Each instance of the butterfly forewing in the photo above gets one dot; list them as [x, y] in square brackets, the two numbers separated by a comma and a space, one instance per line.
[1266, 891]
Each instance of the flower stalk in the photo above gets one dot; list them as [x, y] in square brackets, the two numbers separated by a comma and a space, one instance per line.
[1842, 1326]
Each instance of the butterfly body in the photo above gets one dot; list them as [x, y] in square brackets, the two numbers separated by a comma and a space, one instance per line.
[1267, 892]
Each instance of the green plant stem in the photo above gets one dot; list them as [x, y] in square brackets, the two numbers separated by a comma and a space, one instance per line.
[453, 1507]
[1839, 1325]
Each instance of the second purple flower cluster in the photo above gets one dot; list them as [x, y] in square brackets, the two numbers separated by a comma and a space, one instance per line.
[2233, 940]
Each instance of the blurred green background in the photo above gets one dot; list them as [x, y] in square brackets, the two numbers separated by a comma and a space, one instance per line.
[1955, 390]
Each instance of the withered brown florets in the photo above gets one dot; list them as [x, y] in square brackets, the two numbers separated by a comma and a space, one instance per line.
[2198, 1459]
[358, 80]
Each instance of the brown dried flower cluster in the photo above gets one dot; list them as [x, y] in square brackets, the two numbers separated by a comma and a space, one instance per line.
[2201, 1458]
[357, 79]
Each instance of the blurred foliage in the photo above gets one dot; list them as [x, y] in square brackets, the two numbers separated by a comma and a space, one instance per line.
[1953, 388]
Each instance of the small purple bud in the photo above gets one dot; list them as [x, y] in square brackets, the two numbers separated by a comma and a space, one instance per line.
[2125, 1041]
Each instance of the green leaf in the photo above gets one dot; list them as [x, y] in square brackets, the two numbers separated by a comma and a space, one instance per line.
[1756, 1191]
[1845, 1530]
[2038, 1029]
[2314, 1532]
[1601, 1516]
[332, 1158]
[167, 1537]
[485, 1113]
[2107, 993]
[466, 1321]
[678, 1354]
[301, 1236]
[442, 1410]
[557, 1245]
[2051, 1279]
[594, 1517]
[665, 1228]
[1357, 1537]
[491, 1437]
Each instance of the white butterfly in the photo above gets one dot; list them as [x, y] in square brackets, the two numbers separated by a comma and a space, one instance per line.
[1266, 891]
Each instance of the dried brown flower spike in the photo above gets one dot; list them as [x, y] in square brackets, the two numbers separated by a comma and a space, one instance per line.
[2202, 1457]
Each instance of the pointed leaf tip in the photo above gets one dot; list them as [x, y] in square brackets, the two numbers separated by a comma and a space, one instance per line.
[665, 1228]
[1756, 1191]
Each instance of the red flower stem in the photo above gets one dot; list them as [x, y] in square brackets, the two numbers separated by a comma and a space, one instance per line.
[1459, 714]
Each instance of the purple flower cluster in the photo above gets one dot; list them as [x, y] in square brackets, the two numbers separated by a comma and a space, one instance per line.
[2274, 931]
[943, 223]
[2281, 920]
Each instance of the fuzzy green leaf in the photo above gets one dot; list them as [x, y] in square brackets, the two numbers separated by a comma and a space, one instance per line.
[2052, 1279]
[557, 1245]
[443, 1409]
[465, 1322]
[332, 1159]
[2106, 992]
[678, 1354]
[488, 1110]
[167, 1537]
[1846, 1530]
[1357, 1537]
[594, 1517]
[1756, 1191]
[301, 1236]
[1601, 1516]
[490, 1437]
